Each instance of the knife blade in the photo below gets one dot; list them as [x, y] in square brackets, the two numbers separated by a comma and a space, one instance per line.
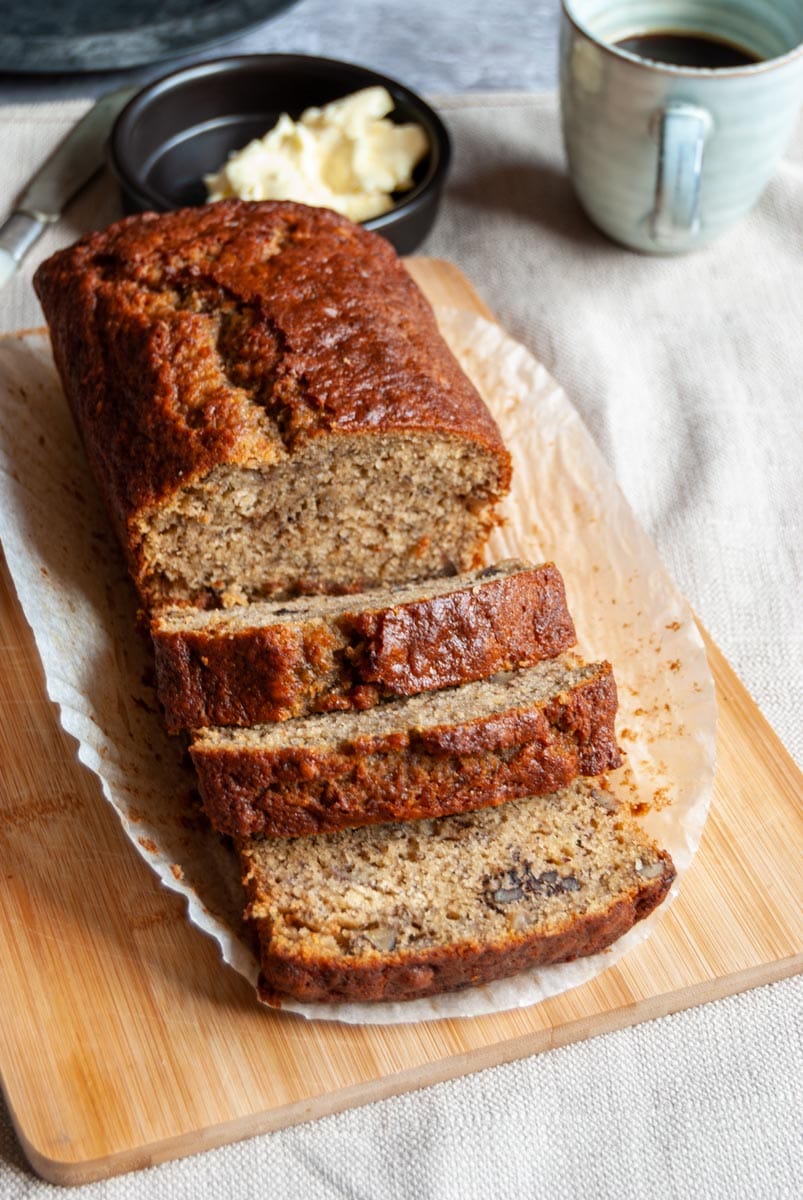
[68, 169]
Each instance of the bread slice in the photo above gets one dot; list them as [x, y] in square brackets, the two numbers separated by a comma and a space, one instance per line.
[525, 733]
[271, 660]
[268, 406]
[394, 912]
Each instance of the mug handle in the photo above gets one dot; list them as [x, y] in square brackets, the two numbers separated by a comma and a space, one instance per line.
[682, 132]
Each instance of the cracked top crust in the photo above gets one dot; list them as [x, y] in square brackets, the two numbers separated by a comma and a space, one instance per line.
[235, 333]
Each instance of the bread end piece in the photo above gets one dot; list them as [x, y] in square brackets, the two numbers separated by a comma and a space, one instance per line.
[400, 912]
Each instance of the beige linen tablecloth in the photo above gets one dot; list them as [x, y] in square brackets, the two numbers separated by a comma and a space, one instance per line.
[688, 372]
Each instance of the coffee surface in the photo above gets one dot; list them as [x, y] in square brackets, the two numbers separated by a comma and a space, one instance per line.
[683, 49]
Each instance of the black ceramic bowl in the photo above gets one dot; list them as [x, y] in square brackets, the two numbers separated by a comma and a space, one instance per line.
[185, 125]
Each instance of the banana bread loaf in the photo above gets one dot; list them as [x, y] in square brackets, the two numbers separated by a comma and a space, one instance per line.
[395, 912]
[270, 660]
[268, 406]
[521, 734]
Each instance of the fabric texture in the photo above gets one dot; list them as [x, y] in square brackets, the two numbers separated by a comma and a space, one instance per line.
[699, 1106]
[687, 372]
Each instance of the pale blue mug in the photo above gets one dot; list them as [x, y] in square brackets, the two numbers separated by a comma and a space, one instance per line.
[663, 158]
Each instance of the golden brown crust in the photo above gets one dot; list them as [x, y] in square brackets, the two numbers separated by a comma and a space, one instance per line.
[479, 763]
[251, 676]
[507, 622]
[234, 334]
[271, 673]
[413, 975]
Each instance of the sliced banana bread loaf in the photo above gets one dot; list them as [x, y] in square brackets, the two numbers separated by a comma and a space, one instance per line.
[481, 744]
[268, 406]
[395, 912]
[271, 660]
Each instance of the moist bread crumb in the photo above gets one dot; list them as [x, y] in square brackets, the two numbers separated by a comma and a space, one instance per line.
[268, 406]
[524, 733]
[272, 660]
[399, 911]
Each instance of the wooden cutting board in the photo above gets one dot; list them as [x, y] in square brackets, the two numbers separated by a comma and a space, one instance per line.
[125, 1042]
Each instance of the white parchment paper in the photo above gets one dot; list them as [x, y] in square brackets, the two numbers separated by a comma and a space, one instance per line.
[564, 506]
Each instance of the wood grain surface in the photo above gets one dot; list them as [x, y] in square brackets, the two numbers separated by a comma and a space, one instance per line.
[124, 1040]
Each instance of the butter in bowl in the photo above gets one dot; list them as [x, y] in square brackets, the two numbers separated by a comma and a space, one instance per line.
[347, 156]
[295, 127]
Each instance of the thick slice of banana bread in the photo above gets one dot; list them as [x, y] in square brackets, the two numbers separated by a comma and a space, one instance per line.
[268, 406]
[394, 912]
[481, 744]
[271, 660]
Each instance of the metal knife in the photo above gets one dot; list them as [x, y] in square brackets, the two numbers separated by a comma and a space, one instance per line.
[71, 165]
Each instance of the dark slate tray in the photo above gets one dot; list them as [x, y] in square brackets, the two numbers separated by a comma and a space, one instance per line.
[84, 35]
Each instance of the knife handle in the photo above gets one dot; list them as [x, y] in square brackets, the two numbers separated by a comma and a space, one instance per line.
[17, 235]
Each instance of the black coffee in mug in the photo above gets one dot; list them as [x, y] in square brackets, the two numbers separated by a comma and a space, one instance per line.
[682, 49]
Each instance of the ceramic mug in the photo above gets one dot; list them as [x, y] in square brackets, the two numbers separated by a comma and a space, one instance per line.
[662, 157]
